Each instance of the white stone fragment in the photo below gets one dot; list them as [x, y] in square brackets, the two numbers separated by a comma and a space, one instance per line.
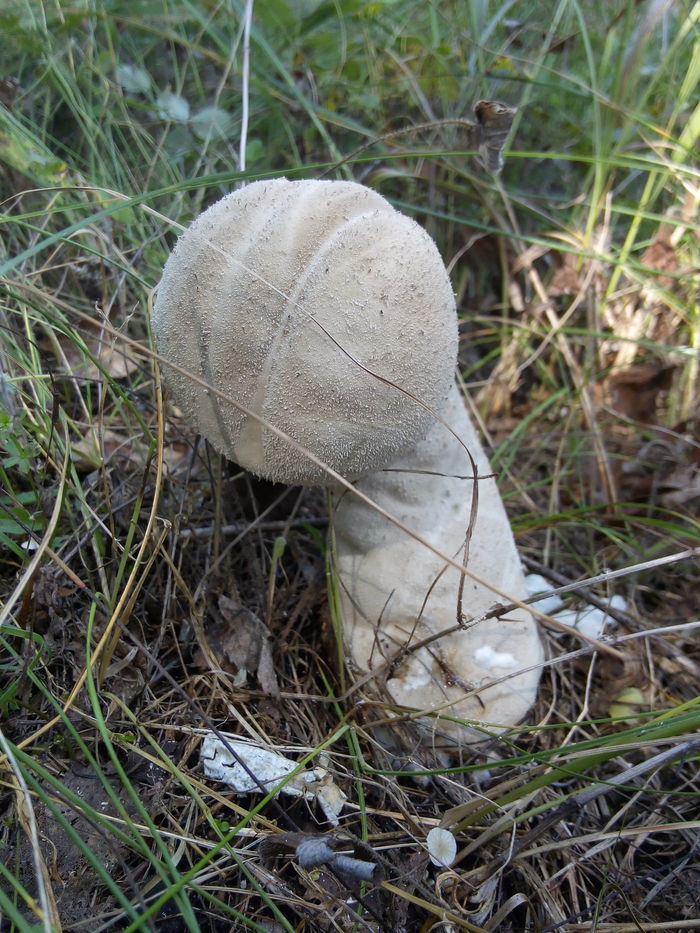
[535, 583]
[222, 761]
[589, 620]
[592, 622]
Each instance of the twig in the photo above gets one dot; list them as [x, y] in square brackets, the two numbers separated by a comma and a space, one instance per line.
[42, 547]
[488, 134]
[608, 575]
[312, 850]
[253, 525]
[27, 819]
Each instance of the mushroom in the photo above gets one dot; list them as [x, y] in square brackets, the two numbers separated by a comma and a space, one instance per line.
[325, 321]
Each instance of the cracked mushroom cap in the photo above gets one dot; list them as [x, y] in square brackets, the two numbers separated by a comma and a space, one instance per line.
[307, 302]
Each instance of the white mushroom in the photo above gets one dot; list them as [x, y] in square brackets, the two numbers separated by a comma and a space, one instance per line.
[322, 310]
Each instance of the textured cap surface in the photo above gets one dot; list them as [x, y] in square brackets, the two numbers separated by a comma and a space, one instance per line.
[282, 295]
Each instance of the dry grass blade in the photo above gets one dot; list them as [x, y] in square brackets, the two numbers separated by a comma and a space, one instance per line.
[48, 913]
[43, 546]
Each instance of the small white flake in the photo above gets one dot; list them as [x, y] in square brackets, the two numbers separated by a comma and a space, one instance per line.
[133, 80]
[173, 107]
[589, 622]
[488, 658]
[592, 623]
[212, 123]
[535, 584]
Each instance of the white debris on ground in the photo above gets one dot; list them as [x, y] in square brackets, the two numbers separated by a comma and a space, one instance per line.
[222, 761]
[591, 621]
[487, 657]
[537, 584]
[588, 620]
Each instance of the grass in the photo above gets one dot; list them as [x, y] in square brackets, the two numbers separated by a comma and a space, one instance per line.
[576, 272]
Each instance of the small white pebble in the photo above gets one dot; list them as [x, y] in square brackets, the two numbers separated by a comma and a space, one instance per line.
[569, 617]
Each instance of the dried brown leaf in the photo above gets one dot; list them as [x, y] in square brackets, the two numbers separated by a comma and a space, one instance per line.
[634, 391]
[106, 447]
[241, 642]
[681, 488]
[567, 279]
[661, 255]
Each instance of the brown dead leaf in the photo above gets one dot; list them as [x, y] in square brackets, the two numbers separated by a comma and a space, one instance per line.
[115, 360]
[174, 457]
[522, 32]
[241, 643]
[494, 120]
[8, 91]
[567, 278]
[665, 468]
[661, 255]
[102, 447]
[112, 357]
[681, 489]
[634, 391]
[614, 676]
[501, 427]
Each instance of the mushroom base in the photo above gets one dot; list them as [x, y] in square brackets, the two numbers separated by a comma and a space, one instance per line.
[399, 599]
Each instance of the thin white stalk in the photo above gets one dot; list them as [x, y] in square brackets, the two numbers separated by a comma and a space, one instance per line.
[245, 89]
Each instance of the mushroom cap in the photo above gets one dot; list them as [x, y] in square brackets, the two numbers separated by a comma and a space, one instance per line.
[313, 304]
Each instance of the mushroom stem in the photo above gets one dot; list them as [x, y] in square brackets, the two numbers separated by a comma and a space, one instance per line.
[395, 593]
